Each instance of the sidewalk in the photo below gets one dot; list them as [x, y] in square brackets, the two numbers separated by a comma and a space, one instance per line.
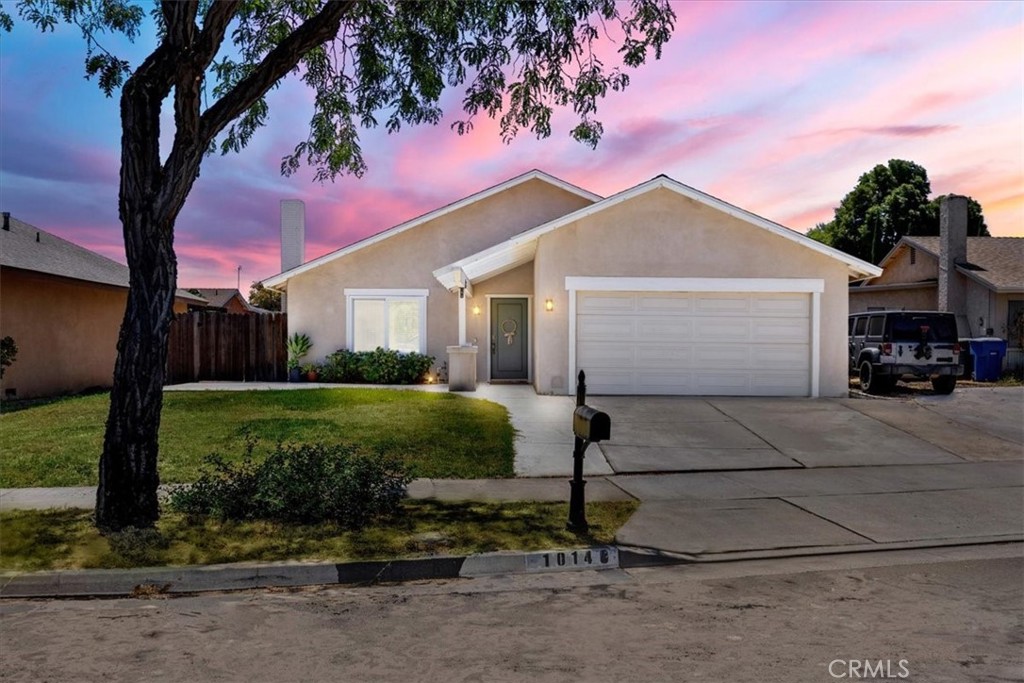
[709, 516]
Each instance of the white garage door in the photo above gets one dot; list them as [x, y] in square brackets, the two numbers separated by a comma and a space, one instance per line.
[694, 343]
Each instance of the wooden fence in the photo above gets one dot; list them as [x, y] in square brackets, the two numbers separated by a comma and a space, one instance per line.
[209, 345]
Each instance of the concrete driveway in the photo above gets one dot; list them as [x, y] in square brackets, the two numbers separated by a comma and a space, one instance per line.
[724, 478]
[665, 434]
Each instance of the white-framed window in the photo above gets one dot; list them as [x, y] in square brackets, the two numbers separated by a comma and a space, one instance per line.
[393, 319]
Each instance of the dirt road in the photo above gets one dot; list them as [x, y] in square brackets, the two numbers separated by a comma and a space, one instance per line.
[951, 615]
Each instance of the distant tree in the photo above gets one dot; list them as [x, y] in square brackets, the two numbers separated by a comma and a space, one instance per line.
[888, 202]
[516, 60]
[264, 298]
[8, 353]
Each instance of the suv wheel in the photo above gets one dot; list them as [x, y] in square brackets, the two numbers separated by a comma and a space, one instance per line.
[944, 384]
[870, 381]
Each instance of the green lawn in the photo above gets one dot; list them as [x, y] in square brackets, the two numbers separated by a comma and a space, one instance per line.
[441, 435]
[66, 539]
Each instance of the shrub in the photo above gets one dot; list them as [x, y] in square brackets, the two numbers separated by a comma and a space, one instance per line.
[380, 366]
[302, 484]
[8, 352]
[341, 366]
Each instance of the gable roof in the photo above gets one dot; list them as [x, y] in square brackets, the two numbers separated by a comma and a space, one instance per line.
[521, 248]
[276, 281]
[218, 297]
[996, 262]
[27, 247]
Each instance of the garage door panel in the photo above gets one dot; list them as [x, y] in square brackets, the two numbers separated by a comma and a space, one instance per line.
[665, 305]
[722, 355]
[663, 357]
[781, 305]
[603, 381]
[606, 303]
[723, 330]
[721, 380]
[666, 383]
[775, 355]
[677, 343]
[793, 330]
[671, 329]
[722, 304]
[607, 327]
[606, 355]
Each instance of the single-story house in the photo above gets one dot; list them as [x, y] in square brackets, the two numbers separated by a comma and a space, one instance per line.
[658, 289]
[225, 301]
[980, 279]
[63, 305]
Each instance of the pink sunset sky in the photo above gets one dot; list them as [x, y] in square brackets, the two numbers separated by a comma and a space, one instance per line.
[774, 107]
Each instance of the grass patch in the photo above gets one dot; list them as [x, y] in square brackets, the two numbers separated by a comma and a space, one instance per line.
[57, 443]
[66, 539]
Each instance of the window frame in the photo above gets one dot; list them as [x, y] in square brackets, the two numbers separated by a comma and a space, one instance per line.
[387, 296]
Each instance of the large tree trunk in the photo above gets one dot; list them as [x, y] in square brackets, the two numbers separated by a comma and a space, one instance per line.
[127, 494]
[152, 194]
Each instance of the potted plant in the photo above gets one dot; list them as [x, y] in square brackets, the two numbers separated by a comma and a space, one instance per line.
[311, 371]
[298, 346]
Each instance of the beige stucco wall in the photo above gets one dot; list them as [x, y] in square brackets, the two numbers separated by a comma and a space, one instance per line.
[316, 299]
[66, 332]
[900, 269]
[662, 234]
[922, 298]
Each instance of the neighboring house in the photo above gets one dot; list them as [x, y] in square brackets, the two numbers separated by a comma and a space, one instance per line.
[980, 279]
[659, 289]
[225, 300]
[63, 305]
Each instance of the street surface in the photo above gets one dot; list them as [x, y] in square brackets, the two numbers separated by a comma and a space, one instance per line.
[949, 614]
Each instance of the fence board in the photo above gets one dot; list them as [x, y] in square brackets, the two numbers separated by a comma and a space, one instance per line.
[210, 345]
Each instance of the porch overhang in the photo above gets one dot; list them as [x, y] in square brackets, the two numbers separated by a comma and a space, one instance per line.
[487, 263]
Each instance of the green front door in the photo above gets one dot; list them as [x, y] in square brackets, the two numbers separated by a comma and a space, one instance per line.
[509, 339]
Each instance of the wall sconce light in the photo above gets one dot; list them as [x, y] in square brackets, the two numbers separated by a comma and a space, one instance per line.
[549, 304]
[476, 310]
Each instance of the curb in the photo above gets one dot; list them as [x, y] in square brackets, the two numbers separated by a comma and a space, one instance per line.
[150, 581]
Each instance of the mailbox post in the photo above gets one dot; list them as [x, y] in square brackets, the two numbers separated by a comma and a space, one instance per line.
[588, 426]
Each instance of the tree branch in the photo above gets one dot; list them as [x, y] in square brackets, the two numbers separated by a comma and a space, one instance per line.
[278, 62]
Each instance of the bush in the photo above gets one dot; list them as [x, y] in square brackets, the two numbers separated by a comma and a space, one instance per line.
[380, 366]
[301, 484]
[341, 366]
[8, 352]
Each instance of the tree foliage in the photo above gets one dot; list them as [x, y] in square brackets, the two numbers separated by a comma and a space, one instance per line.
[889, 202]
[261, 297]
[366, 63]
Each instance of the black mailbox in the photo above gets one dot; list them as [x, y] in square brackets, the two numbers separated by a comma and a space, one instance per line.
[591, 424]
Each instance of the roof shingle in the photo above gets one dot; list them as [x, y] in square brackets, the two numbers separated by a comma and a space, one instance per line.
[996, 261]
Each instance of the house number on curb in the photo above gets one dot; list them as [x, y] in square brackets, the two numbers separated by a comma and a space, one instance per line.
[603, 557]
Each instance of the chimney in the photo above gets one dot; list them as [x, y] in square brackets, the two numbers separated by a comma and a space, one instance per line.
[293, 233]
[952, 251]
[7, 220]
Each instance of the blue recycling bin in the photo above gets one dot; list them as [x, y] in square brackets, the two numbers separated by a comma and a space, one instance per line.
[988, 355]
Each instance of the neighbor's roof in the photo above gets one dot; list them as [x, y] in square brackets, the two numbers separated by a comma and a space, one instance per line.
[996, 262]
[521, 248]
[282, 278]
[219, 298]
[27, 247]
